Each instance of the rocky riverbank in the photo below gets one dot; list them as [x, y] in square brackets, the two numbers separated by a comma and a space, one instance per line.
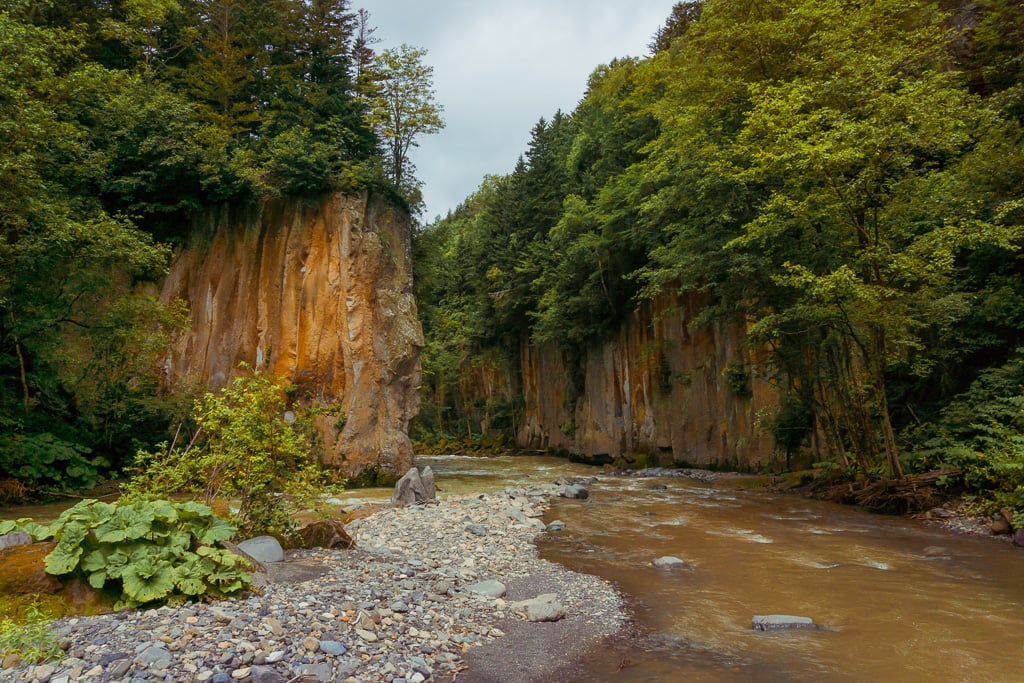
[425, 587]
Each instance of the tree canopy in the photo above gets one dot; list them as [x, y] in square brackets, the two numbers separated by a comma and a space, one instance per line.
[846, 177]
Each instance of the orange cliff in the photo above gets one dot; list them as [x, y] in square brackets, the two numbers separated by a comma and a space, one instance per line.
[320, 295]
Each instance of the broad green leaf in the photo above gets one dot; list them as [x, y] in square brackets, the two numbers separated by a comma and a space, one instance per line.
[146, 583]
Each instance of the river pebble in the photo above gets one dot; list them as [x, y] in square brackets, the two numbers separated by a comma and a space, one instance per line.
[395, 608]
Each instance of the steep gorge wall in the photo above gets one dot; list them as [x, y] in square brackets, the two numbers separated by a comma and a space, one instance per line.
[659, 387]
[320, 295]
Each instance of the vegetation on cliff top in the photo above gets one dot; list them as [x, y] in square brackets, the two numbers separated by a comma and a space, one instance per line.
[119, 120]
[848, 177]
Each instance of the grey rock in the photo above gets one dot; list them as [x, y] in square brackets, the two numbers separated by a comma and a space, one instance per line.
[940, 513]
[411, 489]
[574, 491]
[541, 608]
[266, 674]
[332, 647]
[779, 622]
[14, 538]
[1018, 538]
[43, 672]
[669, 562]
[154, 656]
[490, 588]
[263, 549]
[120, 669]
[556, 525]
[477, 529]
[221, 677]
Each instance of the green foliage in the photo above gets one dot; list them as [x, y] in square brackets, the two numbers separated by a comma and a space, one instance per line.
[154, 551]
[46, 460]
[845, 179]
[402, 109]
[244, 449]
[29, 637]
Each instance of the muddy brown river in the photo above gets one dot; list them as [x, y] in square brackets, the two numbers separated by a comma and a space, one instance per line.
[900, 600]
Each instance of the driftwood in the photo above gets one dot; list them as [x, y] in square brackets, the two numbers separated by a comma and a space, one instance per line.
[911, 493]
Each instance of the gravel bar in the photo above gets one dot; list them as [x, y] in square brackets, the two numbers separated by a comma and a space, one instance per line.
[425, 586]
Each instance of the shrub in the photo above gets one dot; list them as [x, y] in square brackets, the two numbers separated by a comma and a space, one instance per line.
[242, 448]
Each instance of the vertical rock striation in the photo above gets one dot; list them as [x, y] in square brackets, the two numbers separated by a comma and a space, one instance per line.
[660, 387]
[320, 295]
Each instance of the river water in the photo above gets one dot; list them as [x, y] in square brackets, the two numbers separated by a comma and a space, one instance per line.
[901, 600]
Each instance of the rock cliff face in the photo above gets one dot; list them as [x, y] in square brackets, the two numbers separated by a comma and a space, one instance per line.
[658, 389]
[319, 294]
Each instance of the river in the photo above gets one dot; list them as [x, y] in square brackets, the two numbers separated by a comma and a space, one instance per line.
[901, 600]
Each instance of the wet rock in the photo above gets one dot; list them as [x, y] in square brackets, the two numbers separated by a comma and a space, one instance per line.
[940, 513]
[1018, 538]
[556, 525]
[657, 487]
[490, 589]
[326, 533]
[22, 570]
[574, 491]
[541, 608]
[263, 549]
[1000, 526]
[412, 488]
[15, 538]
[669, 562]
[781, 622]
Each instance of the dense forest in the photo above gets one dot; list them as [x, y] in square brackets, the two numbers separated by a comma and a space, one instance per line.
[846, 177]
[120, 122]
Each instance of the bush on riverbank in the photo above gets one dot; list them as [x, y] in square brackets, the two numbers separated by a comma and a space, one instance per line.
[247, 446]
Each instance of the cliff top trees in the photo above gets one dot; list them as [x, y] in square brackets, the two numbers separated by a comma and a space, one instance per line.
[402, 109]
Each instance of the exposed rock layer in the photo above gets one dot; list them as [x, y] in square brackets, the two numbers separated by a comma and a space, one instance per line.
[659, 387]
[319, 294]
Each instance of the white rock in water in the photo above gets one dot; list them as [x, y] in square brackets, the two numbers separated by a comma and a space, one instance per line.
[777, 622]
[669, 562]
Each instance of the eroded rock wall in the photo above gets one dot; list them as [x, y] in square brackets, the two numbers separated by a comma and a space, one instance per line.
[319, 294]
[659, 388]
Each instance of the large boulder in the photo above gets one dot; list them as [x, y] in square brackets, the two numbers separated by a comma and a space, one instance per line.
[23, 572]
[541, 608]
[415, 488]
[263, 549]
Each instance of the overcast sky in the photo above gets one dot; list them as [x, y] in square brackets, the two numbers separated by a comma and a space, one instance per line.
[499, 66]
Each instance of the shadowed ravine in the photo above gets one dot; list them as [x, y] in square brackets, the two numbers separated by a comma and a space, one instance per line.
[903, 601]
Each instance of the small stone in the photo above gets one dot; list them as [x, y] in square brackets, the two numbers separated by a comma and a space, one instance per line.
[477, 529]
[333, 648]
[368, 636]
[221, 677]
[11, 661]
[266, 674]
[416, 677]
[556, 525]
[1018, 538]
[204, 676]
[239, 674]
[43, 672]
[275, 657]
[311, 644]
[93, 672]
[490, 588]
[119, 669]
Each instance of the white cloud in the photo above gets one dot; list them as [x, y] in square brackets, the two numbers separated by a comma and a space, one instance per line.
[501, 66]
